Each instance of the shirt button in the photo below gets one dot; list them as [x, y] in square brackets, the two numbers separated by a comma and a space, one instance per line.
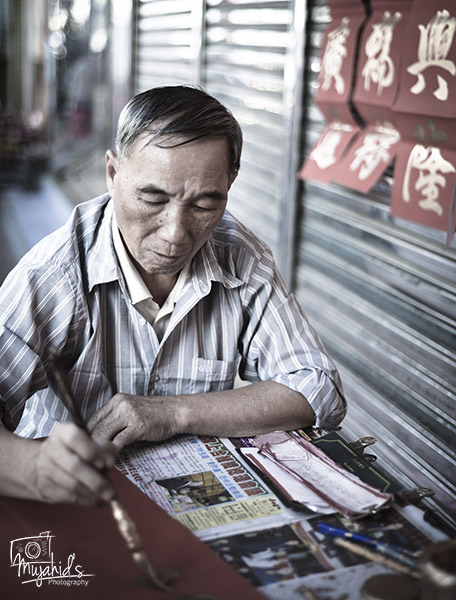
[202, 286]
[155, 378]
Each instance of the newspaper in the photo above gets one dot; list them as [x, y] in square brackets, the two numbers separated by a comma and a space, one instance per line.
[285, 561]
[332, 585]
[203, 483]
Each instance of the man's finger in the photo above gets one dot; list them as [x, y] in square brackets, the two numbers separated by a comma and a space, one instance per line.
[109, 451]
[124, 437]
[64, 487]
[78, 442]
[106, 431]
[99, 416]
[84, 485]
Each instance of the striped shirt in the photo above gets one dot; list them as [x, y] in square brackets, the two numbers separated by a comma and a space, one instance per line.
[233, 316]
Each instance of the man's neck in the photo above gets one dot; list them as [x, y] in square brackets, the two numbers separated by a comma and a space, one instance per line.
[159, 286]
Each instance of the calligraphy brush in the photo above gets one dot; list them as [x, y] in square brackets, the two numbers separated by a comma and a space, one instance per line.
[125, 523]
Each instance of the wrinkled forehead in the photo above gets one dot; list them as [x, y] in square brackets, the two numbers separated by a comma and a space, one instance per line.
[146, 139]
[156, 137]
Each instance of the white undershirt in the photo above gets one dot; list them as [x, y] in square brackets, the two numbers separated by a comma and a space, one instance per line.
[140, 296]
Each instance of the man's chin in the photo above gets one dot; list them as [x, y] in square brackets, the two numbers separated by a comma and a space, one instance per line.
[170, 267]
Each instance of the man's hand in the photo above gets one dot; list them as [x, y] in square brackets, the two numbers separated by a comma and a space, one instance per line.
[68, 467]
[126, 418]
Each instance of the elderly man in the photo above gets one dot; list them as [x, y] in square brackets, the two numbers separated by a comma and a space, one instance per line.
[155, 299]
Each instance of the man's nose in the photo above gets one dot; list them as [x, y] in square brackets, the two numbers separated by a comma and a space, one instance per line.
[174, 226]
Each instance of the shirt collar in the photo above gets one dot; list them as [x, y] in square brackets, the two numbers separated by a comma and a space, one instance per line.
[208, 268]
[102, 266]
[137, 289]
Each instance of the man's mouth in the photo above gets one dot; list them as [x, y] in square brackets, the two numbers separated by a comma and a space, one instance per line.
[168, 257]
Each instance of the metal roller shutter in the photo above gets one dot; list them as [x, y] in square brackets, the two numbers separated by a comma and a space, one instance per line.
[253, 64]
[168, 42]
[381, 293]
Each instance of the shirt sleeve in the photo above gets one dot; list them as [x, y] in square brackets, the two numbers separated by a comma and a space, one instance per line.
[282, 346]
[36, 309]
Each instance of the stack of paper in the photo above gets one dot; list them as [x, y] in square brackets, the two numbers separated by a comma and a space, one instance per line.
[307, 475]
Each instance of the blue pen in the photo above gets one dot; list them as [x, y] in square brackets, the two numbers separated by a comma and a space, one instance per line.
[389, 549]
[339, 532]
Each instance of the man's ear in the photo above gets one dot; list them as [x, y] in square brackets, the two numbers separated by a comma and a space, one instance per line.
[232, 179]
[112, 165]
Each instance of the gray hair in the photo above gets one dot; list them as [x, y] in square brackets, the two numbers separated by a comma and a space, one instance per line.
[171, 112]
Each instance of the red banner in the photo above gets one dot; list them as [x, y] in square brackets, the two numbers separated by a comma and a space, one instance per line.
[328, 151]
[334, 89]
[368, 157]
[425, 114]
[424, 185]
[377, 79]
[379, 61]
[339, 50]
[404, 92]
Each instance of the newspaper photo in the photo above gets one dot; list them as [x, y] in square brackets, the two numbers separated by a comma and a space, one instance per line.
[203, 483]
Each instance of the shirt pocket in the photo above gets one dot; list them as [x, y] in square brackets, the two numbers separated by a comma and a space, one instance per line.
[201, 375]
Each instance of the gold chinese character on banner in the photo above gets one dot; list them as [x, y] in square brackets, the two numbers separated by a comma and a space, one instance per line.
[379, 66]
[375, 150]
[432, 168]
[434, 46]
[333, 58]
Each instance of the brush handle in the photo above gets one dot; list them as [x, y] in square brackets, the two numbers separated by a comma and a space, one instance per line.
[125, 523]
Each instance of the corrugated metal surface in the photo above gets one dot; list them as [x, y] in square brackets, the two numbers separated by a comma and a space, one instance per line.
[250, 65]
[381, 292]
[168, 42]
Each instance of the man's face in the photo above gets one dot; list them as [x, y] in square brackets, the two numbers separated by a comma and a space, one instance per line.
[168, 200]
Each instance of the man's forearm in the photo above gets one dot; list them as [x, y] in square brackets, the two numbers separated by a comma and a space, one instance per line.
[249, 410]
[17, 457]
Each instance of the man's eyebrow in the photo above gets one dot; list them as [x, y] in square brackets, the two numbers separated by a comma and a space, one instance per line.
[215, 194]
[150, 188]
